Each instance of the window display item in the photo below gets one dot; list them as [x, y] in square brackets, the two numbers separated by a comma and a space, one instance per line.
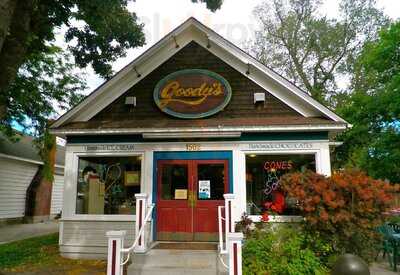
[132, 178]
[95, 195]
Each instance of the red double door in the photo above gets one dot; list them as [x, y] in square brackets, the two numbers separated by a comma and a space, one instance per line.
[188, 195]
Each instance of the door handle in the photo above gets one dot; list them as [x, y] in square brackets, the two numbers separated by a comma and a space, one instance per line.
[191, 199]
[189, 202]
[194, 200]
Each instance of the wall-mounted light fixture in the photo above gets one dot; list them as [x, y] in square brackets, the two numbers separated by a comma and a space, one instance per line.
[130, 101]
[259, 98]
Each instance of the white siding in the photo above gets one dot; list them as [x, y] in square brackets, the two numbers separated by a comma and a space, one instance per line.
[15, 177]
[57, 194]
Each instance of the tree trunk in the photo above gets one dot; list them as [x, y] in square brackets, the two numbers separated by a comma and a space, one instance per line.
[6, 12]
[38, 194]
[14, 49]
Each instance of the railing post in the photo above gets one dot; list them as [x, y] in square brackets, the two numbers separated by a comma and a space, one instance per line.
[229, 223]
[141, 207]
[114, 258]
[235, 253]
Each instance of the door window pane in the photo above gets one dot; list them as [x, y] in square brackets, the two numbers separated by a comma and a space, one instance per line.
[107, 185]
[174, 182]
[211, 181]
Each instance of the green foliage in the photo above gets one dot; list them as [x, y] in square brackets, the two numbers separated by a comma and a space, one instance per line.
[37, 78]
[29, 250]
[322, 247]
[280, 250]
[109, 30]
[373, 144]
[212, 5]
[44, 85]
[343, 210]
[46, 143]
[311, 50]
[394, 219]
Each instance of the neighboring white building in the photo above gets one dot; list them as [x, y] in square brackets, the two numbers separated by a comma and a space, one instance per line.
[19, 163]
[189, 120]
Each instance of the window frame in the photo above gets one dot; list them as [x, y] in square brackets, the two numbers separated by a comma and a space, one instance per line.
[281, 218]
[74, 174]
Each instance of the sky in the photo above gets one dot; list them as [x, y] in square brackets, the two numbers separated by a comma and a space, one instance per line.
[234, 21]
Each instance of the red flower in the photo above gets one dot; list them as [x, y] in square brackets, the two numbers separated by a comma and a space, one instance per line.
[265, 217]
[278, 204]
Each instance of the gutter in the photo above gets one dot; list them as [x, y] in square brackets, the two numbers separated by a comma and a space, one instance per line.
[28, 160]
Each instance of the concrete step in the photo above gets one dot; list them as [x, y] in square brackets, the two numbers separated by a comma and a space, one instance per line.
[174, 261]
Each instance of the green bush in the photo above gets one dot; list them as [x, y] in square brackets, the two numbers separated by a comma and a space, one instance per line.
[279, 250]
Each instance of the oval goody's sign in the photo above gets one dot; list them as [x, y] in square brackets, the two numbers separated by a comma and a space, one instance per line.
[192, 93]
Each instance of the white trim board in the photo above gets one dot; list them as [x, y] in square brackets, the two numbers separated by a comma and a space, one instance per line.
[200, 132]
[193, 30]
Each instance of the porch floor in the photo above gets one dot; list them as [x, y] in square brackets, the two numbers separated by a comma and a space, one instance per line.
[187, 246]
[178, 261]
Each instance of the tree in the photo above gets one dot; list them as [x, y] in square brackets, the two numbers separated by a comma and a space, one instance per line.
[45, 84]
[98, 32]
[373, 143]
[212, 5]
[311, 50]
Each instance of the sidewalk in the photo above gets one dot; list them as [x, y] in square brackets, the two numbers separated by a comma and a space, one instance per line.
[382, 268]
[15, 232]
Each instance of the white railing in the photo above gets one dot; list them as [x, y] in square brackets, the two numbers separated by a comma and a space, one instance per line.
[230, 242]
[141, 232]
[221, 231]
[116, 250]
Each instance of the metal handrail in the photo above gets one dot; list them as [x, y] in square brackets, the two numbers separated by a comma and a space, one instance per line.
[128, 250]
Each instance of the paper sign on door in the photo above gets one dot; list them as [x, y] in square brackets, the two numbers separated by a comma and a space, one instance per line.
[180, 194]
[204, 189]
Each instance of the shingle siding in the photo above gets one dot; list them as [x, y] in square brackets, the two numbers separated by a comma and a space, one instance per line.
[193, 56]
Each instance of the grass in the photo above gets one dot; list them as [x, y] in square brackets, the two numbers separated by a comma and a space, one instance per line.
[40, 255]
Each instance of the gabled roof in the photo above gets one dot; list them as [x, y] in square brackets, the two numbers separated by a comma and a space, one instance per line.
[24, 150]
[193, 30]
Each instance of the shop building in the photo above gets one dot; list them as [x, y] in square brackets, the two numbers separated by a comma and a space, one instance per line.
[191, 119]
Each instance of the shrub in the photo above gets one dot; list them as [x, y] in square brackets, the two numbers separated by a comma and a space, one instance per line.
[279, 251]
[344, 209]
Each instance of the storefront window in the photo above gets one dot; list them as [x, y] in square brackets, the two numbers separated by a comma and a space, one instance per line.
[262, 181]
[107, 185]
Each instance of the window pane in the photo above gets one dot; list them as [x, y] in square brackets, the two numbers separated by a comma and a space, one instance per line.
[262, 181]
[174, 182]
[210, 181]
[107, 185]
